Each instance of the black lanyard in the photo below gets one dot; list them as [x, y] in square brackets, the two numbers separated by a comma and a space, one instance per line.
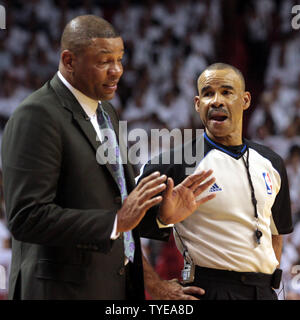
[257, 233]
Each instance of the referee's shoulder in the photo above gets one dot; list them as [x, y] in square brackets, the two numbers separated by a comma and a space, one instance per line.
[267, 153]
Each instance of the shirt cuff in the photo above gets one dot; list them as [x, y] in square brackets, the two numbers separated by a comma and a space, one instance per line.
[114, 234]
[162, 225]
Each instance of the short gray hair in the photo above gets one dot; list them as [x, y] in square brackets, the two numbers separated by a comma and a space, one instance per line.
[223, 66]
[80, 31]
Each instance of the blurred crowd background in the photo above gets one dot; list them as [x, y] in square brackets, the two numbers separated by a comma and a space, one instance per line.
[168, 43]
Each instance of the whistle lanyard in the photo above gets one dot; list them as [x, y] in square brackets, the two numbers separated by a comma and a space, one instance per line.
[257, 233]
[185, 254]
[188, 271]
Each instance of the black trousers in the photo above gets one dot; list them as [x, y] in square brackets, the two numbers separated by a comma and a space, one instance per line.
[231, 285]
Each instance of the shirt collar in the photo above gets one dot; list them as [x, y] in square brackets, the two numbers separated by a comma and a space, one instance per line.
[233, 151]
[89, 105]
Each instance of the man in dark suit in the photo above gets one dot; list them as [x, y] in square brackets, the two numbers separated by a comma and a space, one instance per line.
[64, 209]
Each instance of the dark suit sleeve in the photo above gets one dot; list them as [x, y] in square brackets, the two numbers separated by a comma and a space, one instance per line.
[32, 149]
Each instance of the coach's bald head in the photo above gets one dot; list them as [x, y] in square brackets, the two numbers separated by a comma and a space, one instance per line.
[80, 31]
[91, 56]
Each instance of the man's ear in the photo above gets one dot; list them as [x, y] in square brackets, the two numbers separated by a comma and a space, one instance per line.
[197, 103]
[247, 100]
[67, 59]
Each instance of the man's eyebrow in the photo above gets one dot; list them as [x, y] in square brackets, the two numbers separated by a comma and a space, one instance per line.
[224, 86]
[205, 89]
[106, 51]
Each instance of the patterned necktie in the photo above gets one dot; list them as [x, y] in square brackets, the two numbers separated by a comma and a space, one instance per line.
[104, 122]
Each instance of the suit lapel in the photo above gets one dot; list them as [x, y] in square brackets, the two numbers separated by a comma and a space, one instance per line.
[128, 169]
[68, 100]
[89, 131]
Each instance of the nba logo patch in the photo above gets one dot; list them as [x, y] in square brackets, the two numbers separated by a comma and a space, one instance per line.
[268, 182]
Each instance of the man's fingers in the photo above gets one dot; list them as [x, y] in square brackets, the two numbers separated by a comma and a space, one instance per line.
[204, 186]
[205, 199]
[151, 203]
[147, 179]
[187, 182]
[193, 290]
[201, 178]
[152, 183]
[170, 187]
[148, 194]
[193, 181]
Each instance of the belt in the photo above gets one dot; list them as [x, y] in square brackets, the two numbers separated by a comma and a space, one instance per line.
[246, 278]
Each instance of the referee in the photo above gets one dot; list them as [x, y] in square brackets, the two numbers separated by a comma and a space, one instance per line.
[231, 244]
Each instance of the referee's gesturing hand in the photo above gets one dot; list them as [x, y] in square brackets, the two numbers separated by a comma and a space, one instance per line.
[181, 201]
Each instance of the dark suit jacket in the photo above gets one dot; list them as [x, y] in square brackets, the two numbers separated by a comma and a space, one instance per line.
[61, 204]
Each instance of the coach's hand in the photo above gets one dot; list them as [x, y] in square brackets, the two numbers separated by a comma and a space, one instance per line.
[173, 290]
[160, 289]
[181, 201]
[141, 199]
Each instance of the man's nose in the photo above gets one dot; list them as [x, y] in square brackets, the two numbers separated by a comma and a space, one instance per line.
[116, 69]
[217, 101]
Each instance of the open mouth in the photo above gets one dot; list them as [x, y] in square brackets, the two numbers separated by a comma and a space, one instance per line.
[218, 117]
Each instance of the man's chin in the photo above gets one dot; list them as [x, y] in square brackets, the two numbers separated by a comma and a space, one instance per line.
[217, 133]
[107, 97]
[218, 136]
